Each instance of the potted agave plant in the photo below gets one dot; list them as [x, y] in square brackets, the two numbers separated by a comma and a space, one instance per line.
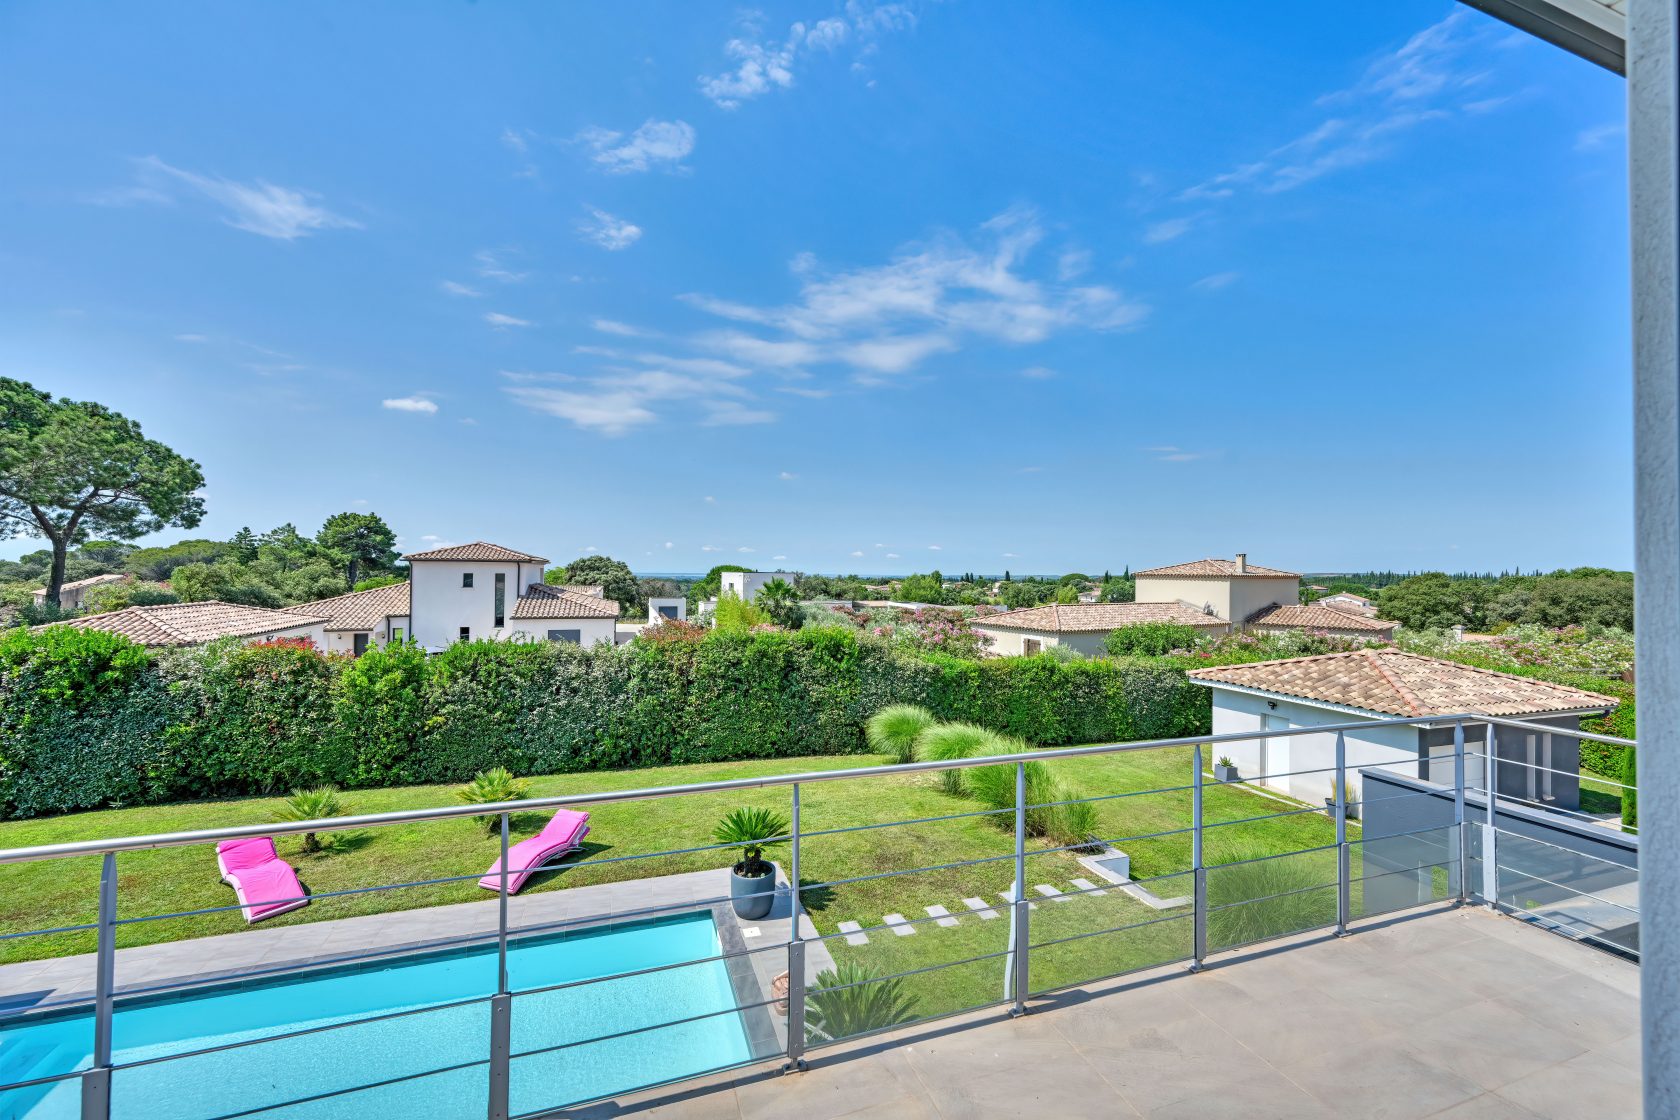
[1225, 770]
[752, 885]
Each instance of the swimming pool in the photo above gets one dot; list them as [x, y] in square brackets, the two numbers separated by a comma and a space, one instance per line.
[343, 1069]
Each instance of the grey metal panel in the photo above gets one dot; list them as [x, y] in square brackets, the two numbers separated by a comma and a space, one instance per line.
[1594, 29]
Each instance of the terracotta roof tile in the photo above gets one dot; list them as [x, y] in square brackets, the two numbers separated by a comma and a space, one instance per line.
[478, 550]
[1221, 568]
[542, 600]
[92, 581]
[1308, 616]
[1393, 682]
[188, 624]
[359, 610]
[1096, 617]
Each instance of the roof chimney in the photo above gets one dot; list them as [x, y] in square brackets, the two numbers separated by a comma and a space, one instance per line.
[1242, 563]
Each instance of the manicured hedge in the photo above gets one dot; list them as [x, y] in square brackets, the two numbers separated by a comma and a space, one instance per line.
[90, 720]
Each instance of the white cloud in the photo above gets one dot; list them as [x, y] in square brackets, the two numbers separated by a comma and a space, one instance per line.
[669, 544]
[711, 501]
[744, 548]
[787, 476]
[499, 321]
[360, 502]
[1439, 74]
[608, 231]
[1171, 454]
[934, 548]
[778, 557]
[1038, 373]
[1217, 281]
[761, 66]
[656, 144]
[260, 207]
[710, 548]
[1072, 264]
[410, 404]
[619, 400]
[488, 264]
[457, 289]
[856, 555]
[1597, 136]
[1010, 556]
[1170, 230]
[613, 326]
[892, 556]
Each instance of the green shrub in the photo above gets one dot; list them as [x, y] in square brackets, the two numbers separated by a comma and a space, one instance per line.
[1150, 639]
[1252, 899]
[752, 829]
[944, 742]
[893, 731]
[1629, 778]
[316, 804]
[493, 787]
[847, 1000]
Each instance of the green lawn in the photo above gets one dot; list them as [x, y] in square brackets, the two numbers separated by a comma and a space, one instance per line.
[168, 880]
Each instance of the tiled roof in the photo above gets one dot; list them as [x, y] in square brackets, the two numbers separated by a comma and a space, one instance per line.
[91, 581]
[1396, 683]
[1307, 616]
[359, 610]
[188, 624]
[543, 600]
[1095, 617]
[1220, 568]
[478, 550]
[591, 589]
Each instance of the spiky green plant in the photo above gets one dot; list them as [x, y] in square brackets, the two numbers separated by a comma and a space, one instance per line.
[315, 804]
[1252, 898]
[752, 829]
[491, 787]
[893, 731]
[946, 741]
[849, 1001]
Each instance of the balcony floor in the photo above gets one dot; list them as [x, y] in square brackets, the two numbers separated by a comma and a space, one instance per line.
[1458, 1014]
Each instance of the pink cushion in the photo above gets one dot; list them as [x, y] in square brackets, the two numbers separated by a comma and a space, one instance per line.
[240, 854]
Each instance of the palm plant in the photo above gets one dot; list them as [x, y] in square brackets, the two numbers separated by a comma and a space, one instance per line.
[314, 804]
[946, 741]
[491, 787]
[752, 829]
[849, 1001]
[893, 730]
[779, 600]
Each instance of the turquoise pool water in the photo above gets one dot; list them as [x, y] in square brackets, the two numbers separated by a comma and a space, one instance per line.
[356, 1058]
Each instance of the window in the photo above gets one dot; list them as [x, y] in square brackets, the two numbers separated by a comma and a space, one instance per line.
[466, 579]
[575, 637]
[396, 636]
[501, 599]
[466, 633]
[1030, 646]
[671, 612]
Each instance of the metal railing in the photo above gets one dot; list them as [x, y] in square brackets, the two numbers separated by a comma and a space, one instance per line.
[1206, 911]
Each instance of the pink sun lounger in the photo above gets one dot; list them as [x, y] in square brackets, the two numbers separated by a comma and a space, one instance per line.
[264, 883]
[562, 834]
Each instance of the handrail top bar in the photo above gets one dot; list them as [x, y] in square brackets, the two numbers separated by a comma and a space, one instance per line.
[1529, 725]
[446, 812]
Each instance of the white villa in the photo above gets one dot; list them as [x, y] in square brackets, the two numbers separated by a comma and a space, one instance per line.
[191, 624]
[71, 595]
[1535, 766]
[1348, 601]
[744, 586]
[1214, 596]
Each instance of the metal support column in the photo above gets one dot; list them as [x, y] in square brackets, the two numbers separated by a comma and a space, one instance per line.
[501, 1004]
[1198, 871]
[1344, 877]
[1020, 930]
[96, 1082]
[1459, 883]
[1490, 822]
[796, 953]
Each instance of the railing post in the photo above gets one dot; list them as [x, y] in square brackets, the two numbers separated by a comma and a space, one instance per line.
[796, 953]
[1490, 824]
[1460, 833]
[96, 1082]
[501, 1004]
[1021, 928]
[1344, 876]
[1198, 870]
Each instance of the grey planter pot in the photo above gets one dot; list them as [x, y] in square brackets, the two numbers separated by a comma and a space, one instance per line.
[753, 896]
[1225, 773]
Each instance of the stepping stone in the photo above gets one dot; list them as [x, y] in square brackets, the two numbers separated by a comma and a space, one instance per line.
[940, 915]
[1051, 893]
[978, 905]
[1009, 897]
[1088, 887]
[899, 925]
[853, 936]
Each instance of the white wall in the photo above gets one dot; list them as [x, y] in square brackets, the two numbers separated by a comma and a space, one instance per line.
[1250, 593]
[344, 641]
[591, 631]
[747, 585]
[681, 606]
[1232, 599]
[439, 606]
[1235, 712]
[315, 633]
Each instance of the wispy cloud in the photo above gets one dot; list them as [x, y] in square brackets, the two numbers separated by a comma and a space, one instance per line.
[502, 322]
[410, 404]
[260, 207]
[1170, 454]
[607, 231]
[613, 326]
[1215, 282]
[1438, 74]
[787, 476]
[1038, 373]
[759, 66]
[619, 399]
[656, 144]
[489, 264]
[455, 288]
[1590, 139]
[1169, 230]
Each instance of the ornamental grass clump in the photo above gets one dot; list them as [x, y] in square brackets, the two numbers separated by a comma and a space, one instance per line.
[1255, 895]
[893, 731]
[945, 742]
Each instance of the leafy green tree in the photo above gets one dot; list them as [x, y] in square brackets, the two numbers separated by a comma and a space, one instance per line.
[710, 585]
[1434, 600]
[1067, 593]
[244, 544]
[384, 579]
[1026, 593]
[363, 539]
[73, 470]
[1118, 590]
[735, 615]
[614, 577]
[929, 588]
[778, 600]
[158, 564]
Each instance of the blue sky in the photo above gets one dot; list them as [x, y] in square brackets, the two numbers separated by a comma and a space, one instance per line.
[841, 286]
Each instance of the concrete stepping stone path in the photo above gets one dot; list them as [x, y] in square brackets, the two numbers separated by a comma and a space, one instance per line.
[978, 905]
[1088, 887]
[1052, 893]
[853, 933]
[899, 925]
[940, 915]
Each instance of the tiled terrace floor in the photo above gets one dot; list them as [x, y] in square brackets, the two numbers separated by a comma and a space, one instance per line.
[1462, 1015]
